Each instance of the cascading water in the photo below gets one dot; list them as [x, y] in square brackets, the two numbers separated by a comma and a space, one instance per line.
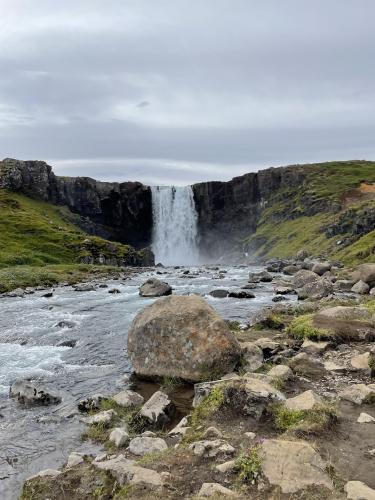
[175, 229]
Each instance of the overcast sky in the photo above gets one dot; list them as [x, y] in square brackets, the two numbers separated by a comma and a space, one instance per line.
[179, 91]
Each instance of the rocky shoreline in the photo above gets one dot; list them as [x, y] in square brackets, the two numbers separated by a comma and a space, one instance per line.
[289, 414]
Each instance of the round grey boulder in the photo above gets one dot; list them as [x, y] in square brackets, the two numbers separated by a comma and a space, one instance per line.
[155, 288]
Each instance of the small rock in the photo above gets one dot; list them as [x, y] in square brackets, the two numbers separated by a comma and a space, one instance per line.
[358, 393]
[67, 343]
[360, 287]
[356, 490]
[226, 466]
[280, 372]
[128, 398]
[46, 473]
[114, 290]
[155, 288]
[180, 429]
[321, 267]
[212, 433]
[361, 362]
[241, 294]
[47, 295]
[250, 435]
[75, 459]
[252, 356]
[219, 294]
[65, 324]
[119, 437]
[211, 449]
[91, 403]
[84, 287]
[214, 489]
[365, 418]
[314, 347]
[28, 393]
[284, 290]
[305, 401]
[157, 409]
[127, 472]
[103, 417]
[143, 445]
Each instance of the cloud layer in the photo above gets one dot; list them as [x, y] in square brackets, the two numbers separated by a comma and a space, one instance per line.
[175, 91]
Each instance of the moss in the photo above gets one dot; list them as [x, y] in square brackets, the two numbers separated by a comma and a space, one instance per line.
[320, 417]
[273, 321]
[234, 326]
[150, 458]
[302, 327]
[169, 384]
[249, 465]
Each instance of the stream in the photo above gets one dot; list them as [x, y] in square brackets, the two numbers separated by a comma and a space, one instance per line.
[36, 438]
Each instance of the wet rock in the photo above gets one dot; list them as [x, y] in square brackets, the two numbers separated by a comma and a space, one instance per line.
[91, 403]
[252, 356]
[143, 445]
[67, 343]
[211, 449]
[103, 285]
[84, 287]
[357, 490]
[321, 268]
[360, 287]
[75, 459]
[305, 401]
[127, 472]
[215, 489]
[284, 290]
[189, 345]
[18, 292]
[103, 417]
[279, 298]
[293, 465]
[365, 418]
[241, 294]
[154, 288]
[250, 286]
[263, 276]
[119, 437]
[128, 398]
[219, 294]
[158, 409]
[114, 291]
[47, 295]
[358, 393]
[65, 324]
[29, 393]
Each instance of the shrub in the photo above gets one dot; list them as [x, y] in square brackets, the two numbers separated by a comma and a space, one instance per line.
[249, 465]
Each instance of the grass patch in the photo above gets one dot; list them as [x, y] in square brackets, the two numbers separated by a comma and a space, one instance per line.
[302, 327]
[249, 465]
[273, 321]
[320, 417]
[150, 458]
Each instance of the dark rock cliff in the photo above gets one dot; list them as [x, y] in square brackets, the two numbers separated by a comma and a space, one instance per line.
[116, 211]
[229, 211]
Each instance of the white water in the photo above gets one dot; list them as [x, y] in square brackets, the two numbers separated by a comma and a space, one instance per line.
[175, 233]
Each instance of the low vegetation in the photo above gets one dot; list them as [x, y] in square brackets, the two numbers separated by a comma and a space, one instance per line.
[303, 327]
[319, 418]
[249, 465]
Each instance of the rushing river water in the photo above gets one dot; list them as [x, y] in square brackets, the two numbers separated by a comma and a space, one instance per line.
[32, 439]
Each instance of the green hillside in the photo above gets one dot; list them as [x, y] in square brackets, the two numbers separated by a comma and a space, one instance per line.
[297, 219]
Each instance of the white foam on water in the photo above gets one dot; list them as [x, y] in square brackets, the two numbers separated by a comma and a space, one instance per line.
[17, 362]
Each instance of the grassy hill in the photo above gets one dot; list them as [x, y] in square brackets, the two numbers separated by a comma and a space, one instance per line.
[324, 216]
[41, 244]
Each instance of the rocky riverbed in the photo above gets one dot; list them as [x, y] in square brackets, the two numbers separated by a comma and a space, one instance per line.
[75, 342]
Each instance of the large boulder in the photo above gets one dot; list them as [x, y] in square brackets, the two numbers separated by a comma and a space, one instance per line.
[30, 393]
[366, 273]
[356, 490]
[182, 337]
[154, 288]
[321, 268]
[304, 277]
[360, 287]
[355, 323]
[317, 289]
[293, 466]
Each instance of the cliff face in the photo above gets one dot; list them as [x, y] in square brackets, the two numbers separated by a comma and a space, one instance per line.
[117, 211]
[230, 211]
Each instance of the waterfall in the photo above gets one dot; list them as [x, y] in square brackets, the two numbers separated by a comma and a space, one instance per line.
[175, 228]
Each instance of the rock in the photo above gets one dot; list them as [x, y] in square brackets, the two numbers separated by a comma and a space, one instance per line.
[158, 409]
[356, 490]
[219, 294]
[18, 292]
[250, 286]
[214, 489]
[211, 449]
[263, 276]
[226, 466]
[241, 294]
[119, 436]
[47, 295]
[331, 366]
[347, 322]
[252, 356]
[343, 285]
[316, 289]
[279, 298]
[267, 345]
[180, 429]
[45, 473]
[302, 254]
[154, 288]
[142, 445]
[290, 270]
[361, 362]
[306, 365]
[360, 287]
[189, 345]
[250, 396]
[359, 393]
[128, 398]
[305, 401]
[280, 372]
[91, 403]
[293, 465]
[304, 277]
[366, 273]
[114, 290]
[67, 343]
[212, 433]
[311, 347]
[65, 324]
[321, 267]
[127, 472]
[28, 393]
[250, 435]
[84, 287]
[75, 459]
[372, 291]
[103, 417]
[365, 418]
[284, 290]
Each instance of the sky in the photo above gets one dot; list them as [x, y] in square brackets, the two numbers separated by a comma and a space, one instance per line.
[183, 91]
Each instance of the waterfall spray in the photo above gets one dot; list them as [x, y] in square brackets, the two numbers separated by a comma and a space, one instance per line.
[175, 230]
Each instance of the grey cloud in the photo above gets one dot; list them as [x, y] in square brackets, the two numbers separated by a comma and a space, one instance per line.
[232, 86]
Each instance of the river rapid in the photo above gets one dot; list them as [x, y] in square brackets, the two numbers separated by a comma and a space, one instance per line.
[36, 438]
